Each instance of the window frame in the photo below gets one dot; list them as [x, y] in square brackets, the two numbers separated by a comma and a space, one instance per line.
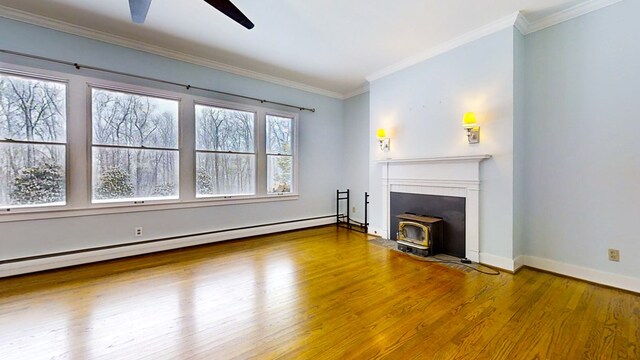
[294, 151]
[260, 148]
[132, 90]
[79, 132]
[256, 147]
[44, 76]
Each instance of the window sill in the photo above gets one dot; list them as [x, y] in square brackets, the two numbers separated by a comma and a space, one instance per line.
[23, 214]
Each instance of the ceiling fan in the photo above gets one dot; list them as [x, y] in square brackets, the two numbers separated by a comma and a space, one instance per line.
[140, 8]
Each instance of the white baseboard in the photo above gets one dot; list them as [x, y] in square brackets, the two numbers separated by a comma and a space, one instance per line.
[518, 262]
[579, 272]
[29, 266]
[497, 261]
[378, 232]
[574, 271]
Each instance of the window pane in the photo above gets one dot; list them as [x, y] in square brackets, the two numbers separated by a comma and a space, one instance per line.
[225, 174]
[132, 174]
[279, 174]
[32, 110]
[220, 129]
[279, 135]
[32, 175]
[134, 120]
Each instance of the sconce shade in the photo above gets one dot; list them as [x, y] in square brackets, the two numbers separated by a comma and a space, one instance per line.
[383, 140]
[469, 120]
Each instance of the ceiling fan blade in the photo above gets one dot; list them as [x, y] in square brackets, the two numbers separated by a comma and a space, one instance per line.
[227, 8]
[139, 10]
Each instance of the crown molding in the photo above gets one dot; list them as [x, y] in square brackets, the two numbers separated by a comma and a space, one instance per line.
[567, 14]
[356, 92]
[522, 23]
[69, 28]
[471, 36]
[518, 20]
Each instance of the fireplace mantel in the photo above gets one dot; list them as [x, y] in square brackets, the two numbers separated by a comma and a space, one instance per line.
[472, 158]
[445, 176]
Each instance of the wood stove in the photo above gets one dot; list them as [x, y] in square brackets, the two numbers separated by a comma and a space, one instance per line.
[420, 235]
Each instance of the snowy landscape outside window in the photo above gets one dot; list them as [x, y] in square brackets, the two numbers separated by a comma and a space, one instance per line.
[33, 136]
[225, 152]
[279, 154]
[135, 147]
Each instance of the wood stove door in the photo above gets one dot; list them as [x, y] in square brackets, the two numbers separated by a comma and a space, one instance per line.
[414, 232]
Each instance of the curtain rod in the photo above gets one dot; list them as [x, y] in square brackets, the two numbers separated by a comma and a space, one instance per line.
[78, 66]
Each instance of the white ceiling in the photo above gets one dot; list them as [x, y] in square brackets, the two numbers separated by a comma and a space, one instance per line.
[327, 44]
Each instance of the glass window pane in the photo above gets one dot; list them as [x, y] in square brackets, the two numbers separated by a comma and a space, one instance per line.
[225, 174]
[132, 174]
[279, 174]
[279, 135]
[134, 120]
[32, 175]
[219, 129]
[32, 110]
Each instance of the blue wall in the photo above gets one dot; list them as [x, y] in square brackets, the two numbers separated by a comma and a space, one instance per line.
[356, 151]
[581, 140]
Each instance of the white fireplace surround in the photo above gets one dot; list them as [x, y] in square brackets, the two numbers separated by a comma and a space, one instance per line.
[457, 176]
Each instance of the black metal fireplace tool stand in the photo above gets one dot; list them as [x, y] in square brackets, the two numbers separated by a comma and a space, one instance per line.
[345, 220]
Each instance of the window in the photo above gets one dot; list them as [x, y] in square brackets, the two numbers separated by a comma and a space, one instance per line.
[33, 136]
[135, 147]
[127, 156]
[225, 152]
[279, 154]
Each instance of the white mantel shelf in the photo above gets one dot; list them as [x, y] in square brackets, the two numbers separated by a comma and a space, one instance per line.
[471, 158]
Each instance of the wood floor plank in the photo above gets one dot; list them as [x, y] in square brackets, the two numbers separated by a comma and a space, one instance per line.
[321, 293]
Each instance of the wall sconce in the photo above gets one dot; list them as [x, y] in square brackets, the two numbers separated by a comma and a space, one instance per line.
[473, 130]
[384, 141]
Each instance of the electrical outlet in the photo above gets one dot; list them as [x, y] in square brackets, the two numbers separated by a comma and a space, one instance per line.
[614, 255]
[138, 231]
[353, 209]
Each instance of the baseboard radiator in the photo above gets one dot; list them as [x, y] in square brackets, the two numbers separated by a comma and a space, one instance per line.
[58, 260]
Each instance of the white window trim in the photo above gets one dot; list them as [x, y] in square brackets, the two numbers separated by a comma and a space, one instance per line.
[34, 74]
[256, 147]
[261, 154]
[294, 148]
[122, 88]
[79, 144]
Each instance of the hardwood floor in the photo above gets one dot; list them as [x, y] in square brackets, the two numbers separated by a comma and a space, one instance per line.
[320, 293]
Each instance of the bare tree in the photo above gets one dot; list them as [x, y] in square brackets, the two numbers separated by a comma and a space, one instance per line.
[32, 122]
[228, 136]
[129, 125]
[279, 149]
